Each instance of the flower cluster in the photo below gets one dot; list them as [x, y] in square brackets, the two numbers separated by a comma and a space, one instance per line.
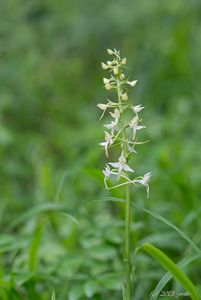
[120, 131]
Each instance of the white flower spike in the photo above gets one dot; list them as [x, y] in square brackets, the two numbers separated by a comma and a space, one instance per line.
[121, 131]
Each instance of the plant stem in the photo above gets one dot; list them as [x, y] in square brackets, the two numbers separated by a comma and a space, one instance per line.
[127, 256]
[127, 245]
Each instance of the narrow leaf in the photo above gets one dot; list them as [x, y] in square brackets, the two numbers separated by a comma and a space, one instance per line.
[53, 296]
[166, 278]
[171, 267]
[33, 252]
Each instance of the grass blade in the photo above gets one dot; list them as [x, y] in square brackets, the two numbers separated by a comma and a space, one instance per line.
[166, 278]
[33, 251]
[53, 296]
[171, 267]
[164, 220]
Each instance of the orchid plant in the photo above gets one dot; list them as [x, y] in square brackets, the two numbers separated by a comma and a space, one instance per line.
[121, 132]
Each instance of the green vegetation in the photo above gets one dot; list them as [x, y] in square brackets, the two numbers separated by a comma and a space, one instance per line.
[61, 236]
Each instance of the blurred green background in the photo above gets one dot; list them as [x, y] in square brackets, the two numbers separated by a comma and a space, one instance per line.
[53, 235]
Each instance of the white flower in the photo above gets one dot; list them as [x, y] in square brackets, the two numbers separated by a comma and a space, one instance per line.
[107, 143]
[108, 86]
[107, 172]
[104, 66]
[136, 109]
[109, 63]
[105, 80]
[122, 76]
[110, 52]
[121, 165]
[103, 107]
[115, 70]
[124, 97]
[132, 83]
[115, 115]
[134, 125]
[144, 181]
[111, 126]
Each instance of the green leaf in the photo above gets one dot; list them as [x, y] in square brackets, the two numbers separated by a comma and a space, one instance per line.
[102, 253]
[111, 281]
[90, 288]
[33, 251]
[171, 267]
[167, 222]
[166, 278]
[76, 292]
[53, 296]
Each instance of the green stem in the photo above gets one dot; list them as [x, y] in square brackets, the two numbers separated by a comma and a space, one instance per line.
[127, 255]
[127, 245]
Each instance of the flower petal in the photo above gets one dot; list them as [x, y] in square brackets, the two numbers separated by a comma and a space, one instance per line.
[127, 168]
[115, 165]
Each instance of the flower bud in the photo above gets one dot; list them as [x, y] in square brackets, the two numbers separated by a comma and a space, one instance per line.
[124, 97]
[122, 76]
[105, 80]
[104, 66]
[124, 60]
[108, 86]
[109, 51]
